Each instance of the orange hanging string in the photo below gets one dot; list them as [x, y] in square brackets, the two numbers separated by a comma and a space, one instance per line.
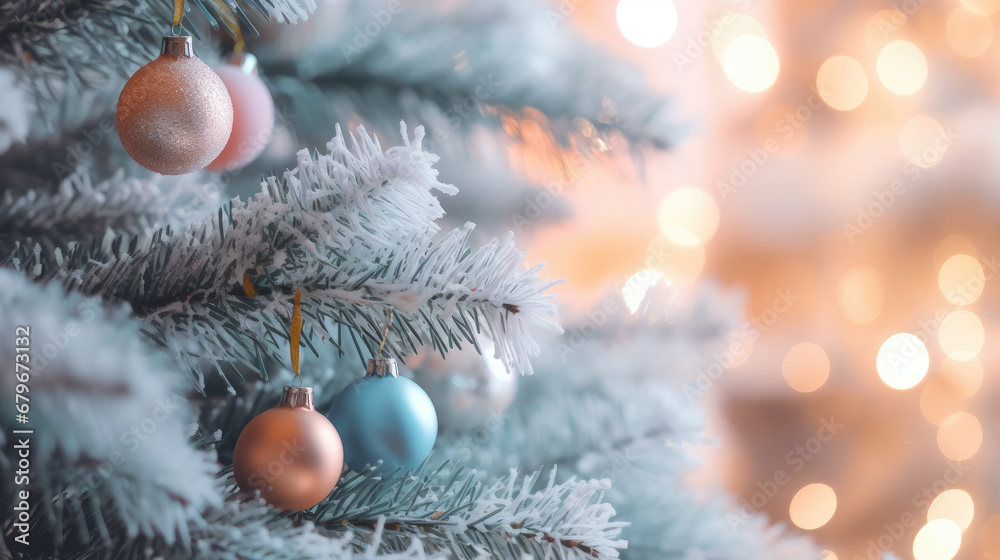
[296, 331]
[178, 16]
[248, 289]
[232, 22]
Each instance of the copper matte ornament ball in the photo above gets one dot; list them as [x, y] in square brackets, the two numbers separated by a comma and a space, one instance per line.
[174, 114]
[290, 453]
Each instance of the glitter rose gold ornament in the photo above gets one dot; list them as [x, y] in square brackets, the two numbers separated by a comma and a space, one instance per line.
[291, 453]
[174, 114]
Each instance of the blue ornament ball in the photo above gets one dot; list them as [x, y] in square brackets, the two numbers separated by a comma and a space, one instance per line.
[384, 418]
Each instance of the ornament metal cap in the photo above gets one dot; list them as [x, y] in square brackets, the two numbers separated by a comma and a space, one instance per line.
[297, 397]
[177, 46]
[382, 366]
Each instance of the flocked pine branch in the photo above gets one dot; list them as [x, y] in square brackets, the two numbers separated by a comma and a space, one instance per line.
[109, 453]
[72, 53]
[496, 57]
[248, 529]
[610, 404]
[82, 212]
[449, 509]
[353, 230]
[15, 111]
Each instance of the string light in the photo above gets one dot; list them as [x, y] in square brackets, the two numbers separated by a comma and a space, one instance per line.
[961, 279]
[688, 216]
[806, 367]
[751, 63]
[969, 34]
[736, 25]
[953, 504]
[982, 7]
[960, 436]
[842, 83]
[901, 67]
[813, 506]
[966, 377]
[647, 23]
[638, 285]
[938, 400]
[902, 361]
[937, 540]
[961, 335]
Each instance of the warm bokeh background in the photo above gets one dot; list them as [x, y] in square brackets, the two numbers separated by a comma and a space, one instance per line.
[839, 165]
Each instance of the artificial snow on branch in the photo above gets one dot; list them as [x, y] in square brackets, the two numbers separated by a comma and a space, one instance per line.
[67, 49]
[490, 57]
[81, 212]
[354, 230]
[109, 452]
[450, 509]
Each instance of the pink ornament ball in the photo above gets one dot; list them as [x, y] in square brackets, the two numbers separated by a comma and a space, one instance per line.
[253, 118]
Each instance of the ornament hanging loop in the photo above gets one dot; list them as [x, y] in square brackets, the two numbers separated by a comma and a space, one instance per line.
[380, 365]
[175, 28]
[385, 334]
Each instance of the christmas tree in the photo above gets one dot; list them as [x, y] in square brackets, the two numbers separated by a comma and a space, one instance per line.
[152, 317]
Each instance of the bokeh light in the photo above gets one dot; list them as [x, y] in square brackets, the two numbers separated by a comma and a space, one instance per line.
[960, 436]
[902, 361]
[681, 264]
[966, 377]
[688, 216]
[859, 294]
[828, 555]
[969, 34]
[939, 399]
[961, 335]
[842, 83]
[923, 141]
[937, 540]
[805, 367]
[751, 63]
[636, 287]
[813, 506]
[881, 26]
[961, 279]
[901, 67]
[982, 7]
[954, 504]
[951, 246]
[647, 23]
[989, 536]
[737, 25]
